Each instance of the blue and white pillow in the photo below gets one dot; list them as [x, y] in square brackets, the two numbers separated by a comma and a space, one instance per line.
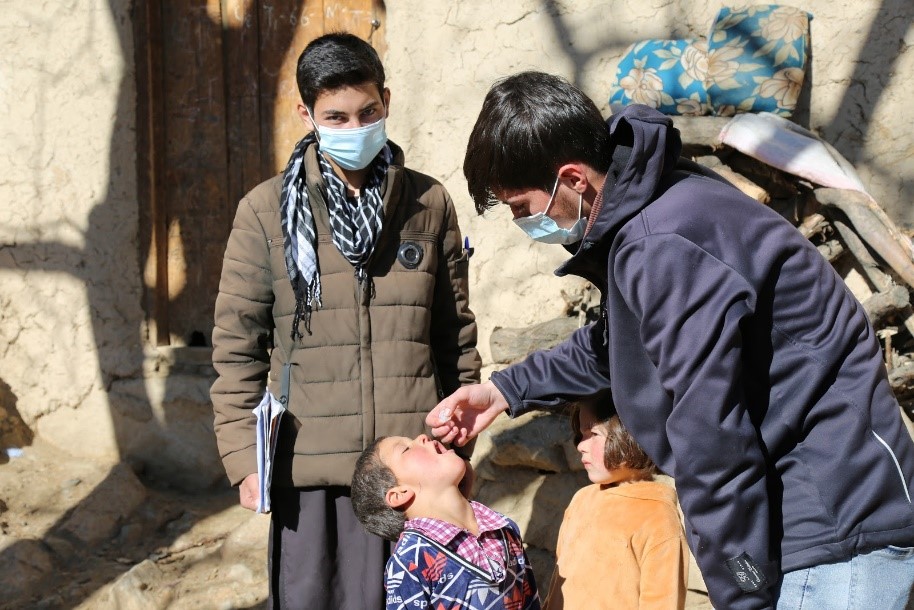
[754, 60]
[665, 74]
[757, 59]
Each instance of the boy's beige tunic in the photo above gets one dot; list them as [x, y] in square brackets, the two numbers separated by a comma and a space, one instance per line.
[378, 356]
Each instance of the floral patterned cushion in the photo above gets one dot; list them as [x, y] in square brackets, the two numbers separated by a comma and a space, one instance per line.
[753, 61]
[665, 74]
[757, 59]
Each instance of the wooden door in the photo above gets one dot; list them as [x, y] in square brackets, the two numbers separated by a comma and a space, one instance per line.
[216, 99]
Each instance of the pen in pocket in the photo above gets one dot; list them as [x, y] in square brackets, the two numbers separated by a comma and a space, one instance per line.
[466, 247]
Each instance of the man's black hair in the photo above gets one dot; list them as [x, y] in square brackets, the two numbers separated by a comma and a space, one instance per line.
[531, 124]
[337, 60]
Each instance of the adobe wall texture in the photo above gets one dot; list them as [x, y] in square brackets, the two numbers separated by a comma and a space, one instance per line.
[70, 314]
[443, 56]
[72, 351]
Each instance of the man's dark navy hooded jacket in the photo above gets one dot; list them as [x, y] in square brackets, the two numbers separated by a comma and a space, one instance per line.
[741, 363]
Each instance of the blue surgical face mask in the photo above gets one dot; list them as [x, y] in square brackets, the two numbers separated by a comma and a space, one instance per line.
[352, 148]
[543, 229]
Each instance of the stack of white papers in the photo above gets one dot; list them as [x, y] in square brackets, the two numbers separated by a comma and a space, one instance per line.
[269, 414]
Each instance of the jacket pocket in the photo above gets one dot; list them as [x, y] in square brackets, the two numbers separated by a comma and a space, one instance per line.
[462, 266]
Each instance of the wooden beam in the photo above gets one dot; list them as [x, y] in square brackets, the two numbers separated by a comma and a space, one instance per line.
[241, 53]
[151, 168]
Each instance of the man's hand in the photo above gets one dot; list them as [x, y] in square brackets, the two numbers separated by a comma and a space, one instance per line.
[461, 416]
[249, 490]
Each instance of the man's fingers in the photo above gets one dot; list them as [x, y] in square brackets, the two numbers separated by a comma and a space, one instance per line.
[442, 412]
[438, 416]
[445, 434]
[463, 437]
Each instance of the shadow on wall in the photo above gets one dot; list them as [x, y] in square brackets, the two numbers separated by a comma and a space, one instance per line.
[14, 433]
[111, 297]
[873, 73]
[111, 511]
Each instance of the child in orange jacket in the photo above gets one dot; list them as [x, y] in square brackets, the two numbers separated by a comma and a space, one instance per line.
[621, 544]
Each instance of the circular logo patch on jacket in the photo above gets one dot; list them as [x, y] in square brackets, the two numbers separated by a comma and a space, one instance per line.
[410, 254]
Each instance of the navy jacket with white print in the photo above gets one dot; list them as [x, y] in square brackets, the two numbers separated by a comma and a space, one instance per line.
[741, 363]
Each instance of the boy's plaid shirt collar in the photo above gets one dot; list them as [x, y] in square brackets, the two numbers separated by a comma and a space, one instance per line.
[486, 551]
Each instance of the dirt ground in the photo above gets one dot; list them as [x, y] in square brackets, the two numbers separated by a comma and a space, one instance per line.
[74, 534]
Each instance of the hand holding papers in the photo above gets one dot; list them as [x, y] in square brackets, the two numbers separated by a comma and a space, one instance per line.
[269, 414]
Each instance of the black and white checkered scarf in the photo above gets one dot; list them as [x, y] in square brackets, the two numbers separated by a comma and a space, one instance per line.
[355, 225]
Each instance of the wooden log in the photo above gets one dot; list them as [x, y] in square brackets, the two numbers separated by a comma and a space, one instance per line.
[877, 277]
[901, 378]
[744, 184]
[881, 280]
[812, 225]
[886, 335]
[709, 161]
[777, 182]
[700, 133]
[884, 305]
[868, 200]
[871, 229]
[831, 250]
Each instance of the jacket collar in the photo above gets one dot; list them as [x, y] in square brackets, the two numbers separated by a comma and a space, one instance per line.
[315, 185]
[646, 148]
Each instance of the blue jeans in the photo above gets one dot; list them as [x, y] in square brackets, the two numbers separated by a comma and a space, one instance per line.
[882, 579]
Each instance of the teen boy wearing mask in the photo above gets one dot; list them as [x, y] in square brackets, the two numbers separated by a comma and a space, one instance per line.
[737, 357]
[349, 268]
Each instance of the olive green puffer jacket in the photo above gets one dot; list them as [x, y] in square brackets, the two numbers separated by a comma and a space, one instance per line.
[379, 355]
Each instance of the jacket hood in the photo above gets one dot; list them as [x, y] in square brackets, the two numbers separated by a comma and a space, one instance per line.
[646, 149]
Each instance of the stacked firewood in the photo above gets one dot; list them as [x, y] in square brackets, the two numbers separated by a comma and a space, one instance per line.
[850, 229]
